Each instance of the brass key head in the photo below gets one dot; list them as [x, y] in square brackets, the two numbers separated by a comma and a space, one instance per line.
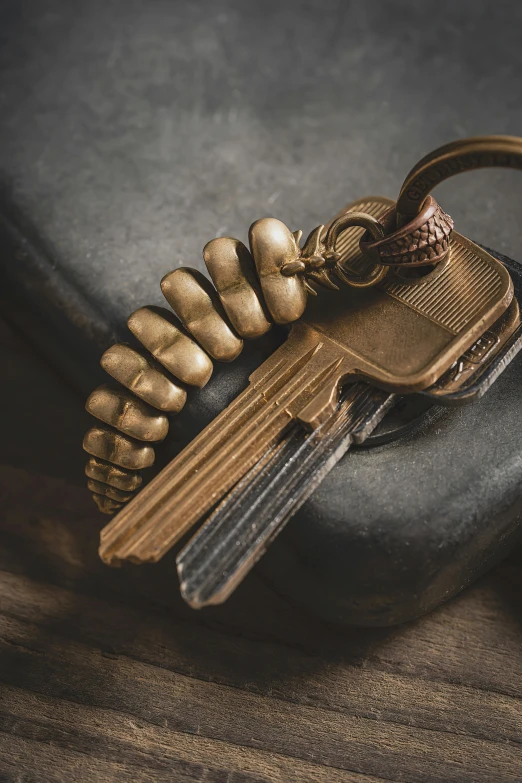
[399, 335]
[405, 334]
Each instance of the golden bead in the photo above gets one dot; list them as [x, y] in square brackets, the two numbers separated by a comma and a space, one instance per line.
[134, 372]
[99, 488]
[197, 305]
[123, 411]
[120, 449]
[180, 355]
[112, 474]
[273, 245]
[232, 270]
[106, 505]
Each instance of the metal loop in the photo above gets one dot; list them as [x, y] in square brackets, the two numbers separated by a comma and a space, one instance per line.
[454, 158]
[371, 224]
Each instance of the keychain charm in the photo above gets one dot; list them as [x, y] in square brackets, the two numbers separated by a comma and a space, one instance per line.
[423, 241]
[401, 304]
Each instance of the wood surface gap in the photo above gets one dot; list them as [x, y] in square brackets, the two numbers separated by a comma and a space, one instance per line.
[322, 706]
[376, 664]
[353, 729]
[252, 693]
[260, 753]
[222, 743]
[119, 772]
[406, 675]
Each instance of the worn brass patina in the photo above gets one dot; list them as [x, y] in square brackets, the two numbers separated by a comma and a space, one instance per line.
[232, 270]
[128, 414]
[197, 305]
[137, 374]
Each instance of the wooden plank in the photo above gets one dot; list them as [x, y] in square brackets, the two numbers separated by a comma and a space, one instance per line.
[443, 646]
[137, 742]
[250, 691]
[52, 764]
[208, 654]
[49, 665]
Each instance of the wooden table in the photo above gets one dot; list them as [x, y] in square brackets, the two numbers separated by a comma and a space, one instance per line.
[108, 676]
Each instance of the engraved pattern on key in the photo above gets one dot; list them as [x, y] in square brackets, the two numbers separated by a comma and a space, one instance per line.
[367, 334]
[441, 298]
[395, 343]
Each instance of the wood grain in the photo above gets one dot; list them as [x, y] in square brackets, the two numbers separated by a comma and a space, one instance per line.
[106, 672]
[106, 675]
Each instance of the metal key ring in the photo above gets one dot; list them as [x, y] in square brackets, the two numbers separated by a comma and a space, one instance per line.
[455, 158]
[372, 225]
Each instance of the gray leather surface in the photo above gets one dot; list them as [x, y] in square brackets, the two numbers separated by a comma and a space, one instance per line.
[133, 131]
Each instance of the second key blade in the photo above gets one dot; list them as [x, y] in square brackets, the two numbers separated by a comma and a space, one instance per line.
[220, 555]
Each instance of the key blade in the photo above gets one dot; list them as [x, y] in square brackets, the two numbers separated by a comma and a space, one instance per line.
[195, 481]
[237, 534]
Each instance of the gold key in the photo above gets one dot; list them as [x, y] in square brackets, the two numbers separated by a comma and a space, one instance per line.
[399, 336]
